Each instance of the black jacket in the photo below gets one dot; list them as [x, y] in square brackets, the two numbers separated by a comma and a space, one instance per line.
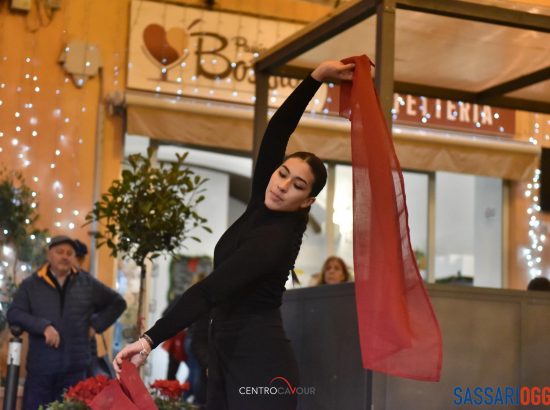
[85, 302]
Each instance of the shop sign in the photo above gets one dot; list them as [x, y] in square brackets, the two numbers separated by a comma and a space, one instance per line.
[194, 52]
[447, 114]
[187, 51]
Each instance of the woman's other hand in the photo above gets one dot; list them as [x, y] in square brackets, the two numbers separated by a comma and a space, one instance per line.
[333, 71]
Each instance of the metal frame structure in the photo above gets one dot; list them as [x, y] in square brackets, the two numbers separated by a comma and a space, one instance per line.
[274, 61]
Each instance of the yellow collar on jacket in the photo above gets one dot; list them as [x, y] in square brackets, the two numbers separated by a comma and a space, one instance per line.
[43, 274]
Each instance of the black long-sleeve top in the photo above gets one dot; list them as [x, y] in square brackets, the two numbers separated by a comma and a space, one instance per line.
[253, 257]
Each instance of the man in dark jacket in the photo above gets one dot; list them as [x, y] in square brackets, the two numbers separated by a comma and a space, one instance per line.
[61, 308]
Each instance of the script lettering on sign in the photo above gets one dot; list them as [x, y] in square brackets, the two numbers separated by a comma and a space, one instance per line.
[186, 51]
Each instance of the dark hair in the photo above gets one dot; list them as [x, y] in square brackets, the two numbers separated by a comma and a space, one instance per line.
[320, 178]
[317, 168]
[81, 249]
[539, 283]
[325, 266]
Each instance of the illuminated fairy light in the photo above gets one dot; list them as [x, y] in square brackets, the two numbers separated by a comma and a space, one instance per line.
[533, 252]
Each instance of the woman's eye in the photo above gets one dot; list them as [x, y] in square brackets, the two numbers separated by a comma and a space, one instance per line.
[298, 187]
[282, 174]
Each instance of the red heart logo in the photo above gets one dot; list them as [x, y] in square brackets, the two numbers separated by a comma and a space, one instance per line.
[165, 47]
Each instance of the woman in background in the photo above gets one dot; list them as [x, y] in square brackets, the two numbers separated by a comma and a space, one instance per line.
[334, 271]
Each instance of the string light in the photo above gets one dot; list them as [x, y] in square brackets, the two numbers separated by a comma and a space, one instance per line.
[533, 253]
[23, 114]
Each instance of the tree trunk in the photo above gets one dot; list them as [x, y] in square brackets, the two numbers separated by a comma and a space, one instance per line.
[140, 324]
[14, 266]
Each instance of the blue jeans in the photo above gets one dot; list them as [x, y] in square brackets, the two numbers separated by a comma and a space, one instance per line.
[41, 389]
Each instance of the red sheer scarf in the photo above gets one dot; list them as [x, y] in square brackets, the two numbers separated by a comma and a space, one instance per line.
[399, 333]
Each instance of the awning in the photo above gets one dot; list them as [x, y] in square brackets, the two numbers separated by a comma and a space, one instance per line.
[458, 50]
[228, 127]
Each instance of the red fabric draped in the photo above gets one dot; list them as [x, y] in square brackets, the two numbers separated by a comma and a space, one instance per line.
[398, 331]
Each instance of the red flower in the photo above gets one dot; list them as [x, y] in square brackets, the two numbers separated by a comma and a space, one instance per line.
[86, 390]
[170, 388]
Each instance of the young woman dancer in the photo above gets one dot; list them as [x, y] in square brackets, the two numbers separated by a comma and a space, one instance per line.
[249, 354]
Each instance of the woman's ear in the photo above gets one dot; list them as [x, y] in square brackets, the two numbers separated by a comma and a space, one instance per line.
[307, 202]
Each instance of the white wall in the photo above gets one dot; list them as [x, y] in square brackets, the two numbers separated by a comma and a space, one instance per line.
[236, 209]
[488, 232]
[343, 213]
[416, 192]
[454, 219]
[469, 228]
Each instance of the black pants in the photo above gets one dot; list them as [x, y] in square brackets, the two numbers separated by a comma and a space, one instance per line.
[251, 365]
[43, 389]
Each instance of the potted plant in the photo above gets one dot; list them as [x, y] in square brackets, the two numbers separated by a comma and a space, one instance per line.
[149, 211]
[167, 395]
[20, 240]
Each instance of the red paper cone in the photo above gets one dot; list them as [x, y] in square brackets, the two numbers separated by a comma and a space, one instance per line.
[134, 387]
[112, 397]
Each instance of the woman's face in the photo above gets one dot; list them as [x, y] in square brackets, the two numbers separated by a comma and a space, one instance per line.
[290, 186]
[334, 273]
